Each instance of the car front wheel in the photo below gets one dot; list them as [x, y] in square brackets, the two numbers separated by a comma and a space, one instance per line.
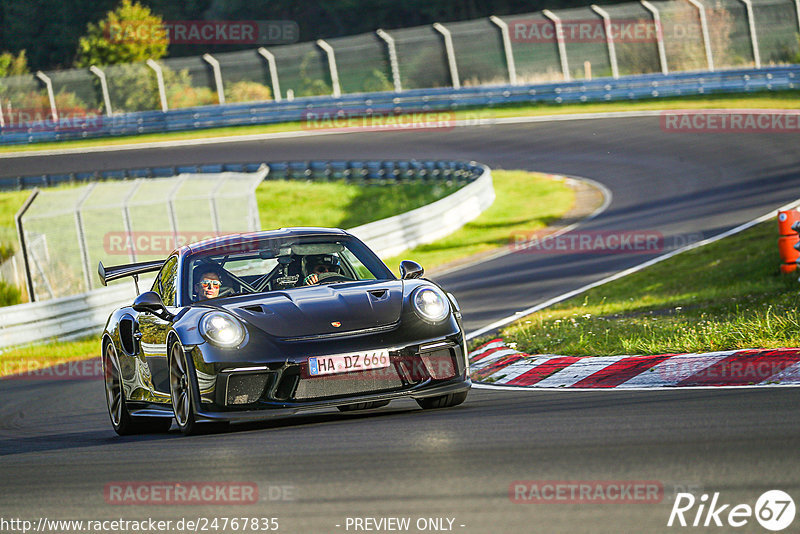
[180, 390]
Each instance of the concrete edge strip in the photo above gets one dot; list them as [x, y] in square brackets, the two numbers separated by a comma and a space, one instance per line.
[498, 366]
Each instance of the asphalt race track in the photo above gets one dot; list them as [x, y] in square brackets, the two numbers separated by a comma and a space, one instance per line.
[314, 471]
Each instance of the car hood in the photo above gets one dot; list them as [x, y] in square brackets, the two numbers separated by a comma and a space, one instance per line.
[322, 309]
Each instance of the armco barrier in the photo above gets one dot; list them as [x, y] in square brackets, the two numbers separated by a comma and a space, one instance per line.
[360, 172]
[634, 87]
[81, 315]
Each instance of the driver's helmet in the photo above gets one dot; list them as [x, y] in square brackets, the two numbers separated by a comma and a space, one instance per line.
[321, 263]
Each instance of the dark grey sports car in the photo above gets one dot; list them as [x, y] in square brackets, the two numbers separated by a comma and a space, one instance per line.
[248, 326]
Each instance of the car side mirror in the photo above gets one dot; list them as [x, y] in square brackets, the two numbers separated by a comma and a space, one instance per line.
[410, 269]
[150, 302]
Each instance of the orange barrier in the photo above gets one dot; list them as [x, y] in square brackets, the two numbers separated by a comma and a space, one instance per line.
[788, 240]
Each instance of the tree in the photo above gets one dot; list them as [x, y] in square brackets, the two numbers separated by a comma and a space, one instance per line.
[129, 34]
[11, 65]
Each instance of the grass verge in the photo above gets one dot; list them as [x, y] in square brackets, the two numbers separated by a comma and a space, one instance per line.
[26, 359]
[760, 100]
[524, 202]
[724, 296]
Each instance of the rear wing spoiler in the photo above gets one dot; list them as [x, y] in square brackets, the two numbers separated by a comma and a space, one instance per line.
[109, 274]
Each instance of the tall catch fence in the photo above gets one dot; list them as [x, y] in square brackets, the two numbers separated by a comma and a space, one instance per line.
[68, 231]
[549, 46]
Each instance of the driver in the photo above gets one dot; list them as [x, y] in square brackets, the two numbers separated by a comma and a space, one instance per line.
[207, 283]
[318, 265]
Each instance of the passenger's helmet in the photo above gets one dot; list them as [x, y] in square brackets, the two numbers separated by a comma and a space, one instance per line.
[321, 263]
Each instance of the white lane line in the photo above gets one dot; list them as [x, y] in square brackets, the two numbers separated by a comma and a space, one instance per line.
[789, 376]
[636, 268]
[675, 369]
[577, 371]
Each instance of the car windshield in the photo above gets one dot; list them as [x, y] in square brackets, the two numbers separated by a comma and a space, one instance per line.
[278, 264]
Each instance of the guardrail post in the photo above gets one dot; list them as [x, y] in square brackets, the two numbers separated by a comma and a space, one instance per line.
[662, 55]
[23, 247]
[509, 52]
[273, 72]
[337, 91]
[50, 95]
[211, 60]
[87, 270]
[162, 91]
[562, 48]
[753, 38]
[612, 51]
[451, 54]
[701, 10]
[103, 87]
[393, 64]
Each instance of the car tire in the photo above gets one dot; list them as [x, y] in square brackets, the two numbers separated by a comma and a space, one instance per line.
[362, 406]
[122, 421]
[180, 390]
[443, 401]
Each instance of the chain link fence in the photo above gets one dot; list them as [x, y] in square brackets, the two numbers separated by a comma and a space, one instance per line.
[643, 37]
[67, 231]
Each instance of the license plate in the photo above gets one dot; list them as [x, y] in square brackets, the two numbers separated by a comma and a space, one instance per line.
[345, 363]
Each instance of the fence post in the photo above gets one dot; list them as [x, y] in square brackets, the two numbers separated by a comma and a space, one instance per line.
[701, 10]
[50, 95]
[23, 246]
[612, 51]
[162, 91]
[337, 90]
[562, 48]
[87, 270]
[173, 218]
[451, 54]
[662, 55]
[393, 64]
[211, 60]
[273, 72]
[797, 10]
[2, 120]
[753, 38]
[103, 87]
[509, 52]
[126, 219]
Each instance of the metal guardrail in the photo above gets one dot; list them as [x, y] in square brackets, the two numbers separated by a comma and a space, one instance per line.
[306, 109]
[85, 314]
[362, 172]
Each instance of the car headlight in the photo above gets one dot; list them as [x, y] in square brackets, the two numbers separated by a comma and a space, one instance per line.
[430, 304]
[221, 329]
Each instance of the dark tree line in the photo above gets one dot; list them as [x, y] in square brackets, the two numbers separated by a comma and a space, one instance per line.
[49, 29]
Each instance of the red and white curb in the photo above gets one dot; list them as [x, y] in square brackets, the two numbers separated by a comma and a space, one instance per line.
[497, 364]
